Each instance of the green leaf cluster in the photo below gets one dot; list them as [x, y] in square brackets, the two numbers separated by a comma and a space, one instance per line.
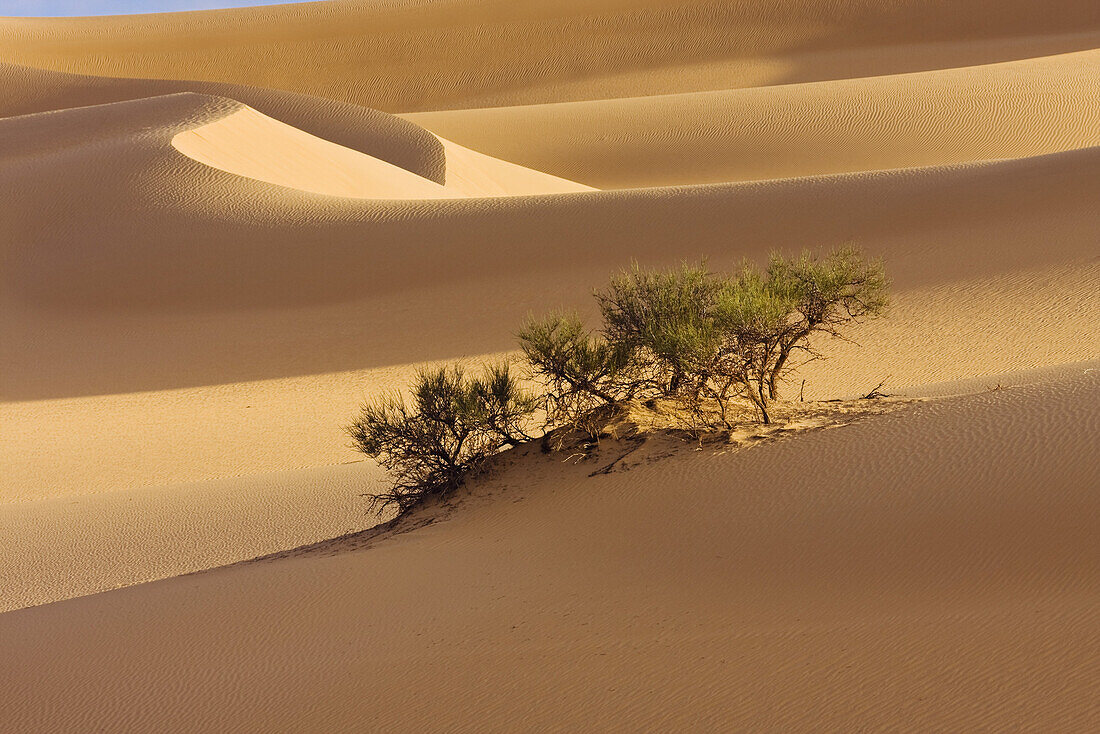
[686, 333]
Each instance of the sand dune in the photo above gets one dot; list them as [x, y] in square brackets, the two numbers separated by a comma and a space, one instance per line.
[210, 253]
[174, 242]
[1009, 110]
[28, 90]
[148, 284]
[246, 143]
[68, 546]
[412, 56]
[930, 569]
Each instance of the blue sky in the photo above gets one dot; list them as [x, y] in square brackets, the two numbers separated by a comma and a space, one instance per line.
[117, 7]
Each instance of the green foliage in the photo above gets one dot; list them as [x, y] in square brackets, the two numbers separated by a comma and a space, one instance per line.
[686, 334]
[665, 320]
[451, 426]
[579, 370]
[689, 334]
[826, 296]
[766, 317]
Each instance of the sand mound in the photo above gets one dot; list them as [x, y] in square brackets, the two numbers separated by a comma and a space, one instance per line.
[928, 569]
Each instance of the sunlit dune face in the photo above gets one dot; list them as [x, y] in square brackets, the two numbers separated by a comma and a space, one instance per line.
[246, 143]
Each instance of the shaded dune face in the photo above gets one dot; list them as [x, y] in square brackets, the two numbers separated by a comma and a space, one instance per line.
[220, 232]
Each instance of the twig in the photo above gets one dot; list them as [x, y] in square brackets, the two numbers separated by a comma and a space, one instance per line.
[877, 392]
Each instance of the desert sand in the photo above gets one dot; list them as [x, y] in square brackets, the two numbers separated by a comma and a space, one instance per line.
[222, 230]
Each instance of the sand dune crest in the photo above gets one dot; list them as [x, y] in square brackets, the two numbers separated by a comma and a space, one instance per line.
[249, 144]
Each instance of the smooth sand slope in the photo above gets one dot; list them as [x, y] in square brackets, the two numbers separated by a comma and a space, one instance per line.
[1008, 110]
[930, 570]
[200, 280]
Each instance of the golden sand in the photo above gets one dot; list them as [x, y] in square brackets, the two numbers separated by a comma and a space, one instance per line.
[202, 279]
